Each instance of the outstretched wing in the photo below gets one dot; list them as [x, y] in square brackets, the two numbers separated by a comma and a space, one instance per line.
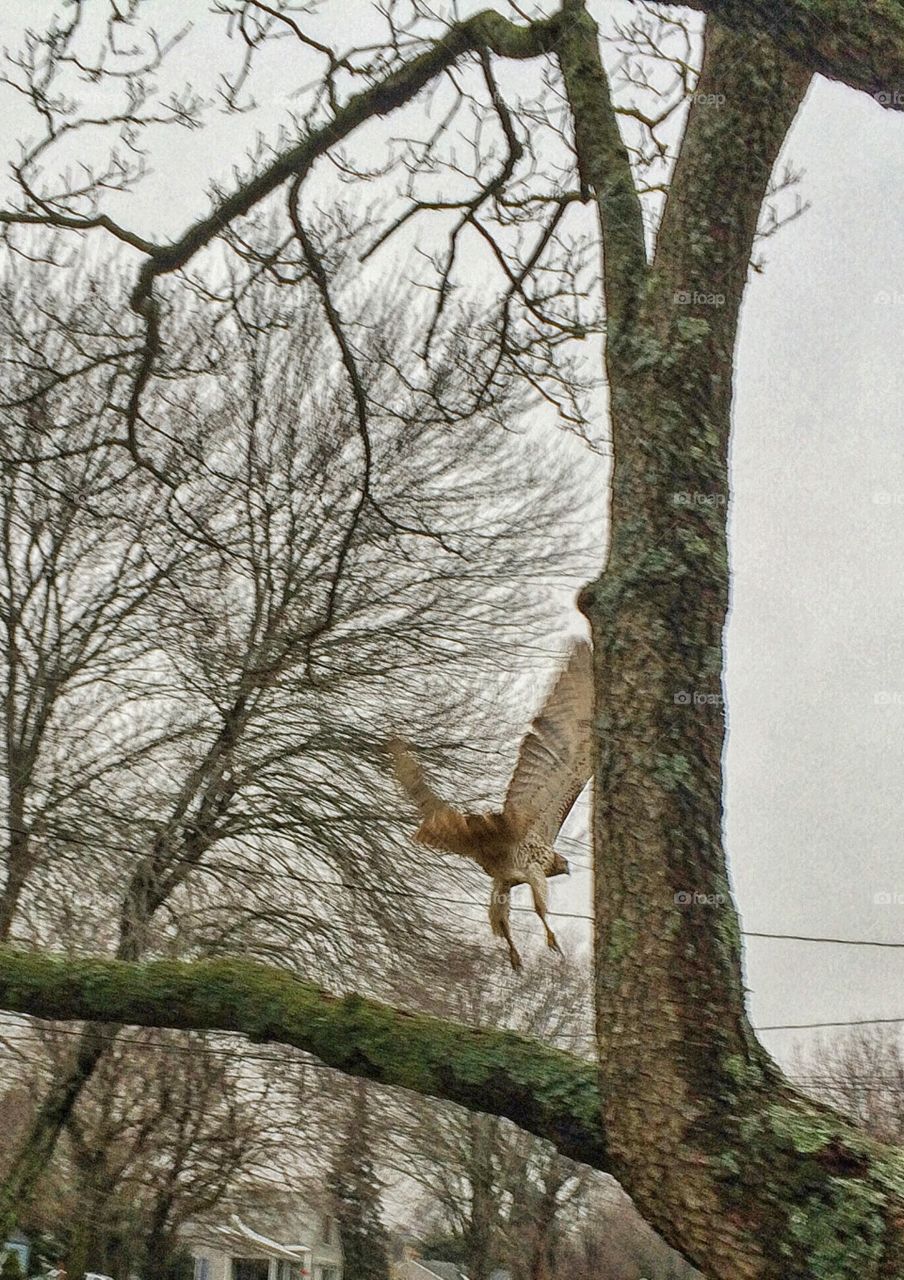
[443, 827]
[555, 760]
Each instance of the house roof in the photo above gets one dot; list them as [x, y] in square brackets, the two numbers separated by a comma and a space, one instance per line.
[451, 1270]
[239, 1234]
[445, 1270]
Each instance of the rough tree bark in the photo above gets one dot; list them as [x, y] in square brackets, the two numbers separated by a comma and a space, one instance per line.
[736, 1170]
[862, 45]
[717, 1151]
[483, 1208]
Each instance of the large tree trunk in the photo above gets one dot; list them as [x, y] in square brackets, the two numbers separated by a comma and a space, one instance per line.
[720, 1155]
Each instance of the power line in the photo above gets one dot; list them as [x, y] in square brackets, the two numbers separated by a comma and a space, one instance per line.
[152, 1046]
[251, 1057]
[270, 874]
[747, 933]
[189, 1050]
[810, 1026]
[754, 933]
[838, 942]
[840, 1084]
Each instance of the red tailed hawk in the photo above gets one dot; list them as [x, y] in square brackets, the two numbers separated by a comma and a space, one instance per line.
[515, 846]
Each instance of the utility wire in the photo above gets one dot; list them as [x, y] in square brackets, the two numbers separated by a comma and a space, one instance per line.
[253, 1057]
[837, 942]
[810, 1026]
[270, 874]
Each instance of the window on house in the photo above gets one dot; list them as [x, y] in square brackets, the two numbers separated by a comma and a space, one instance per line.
[327, 1273]
[250, 1269]
[326, 1230]
[202, 1268]
[288, 1270]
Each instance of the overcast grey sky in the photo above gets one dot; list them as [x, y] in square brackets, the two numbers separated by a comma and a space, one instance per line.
[815, 674]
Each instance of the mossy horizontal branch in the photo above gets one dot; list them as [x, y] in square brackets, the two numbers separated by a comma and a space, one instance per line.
[804, 1160]
[543, 1090]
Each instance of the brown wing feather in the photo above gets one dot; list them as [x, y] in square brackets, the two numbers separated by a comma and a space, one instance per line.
[443, 827]
[555, 760]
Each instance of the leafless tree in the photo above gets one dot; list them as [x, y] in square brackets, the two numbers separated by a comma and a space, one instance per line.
[862, 1074]
[502, 1194]
[217, 770]
[165, 1130]
[612, 1242]
[557, 181]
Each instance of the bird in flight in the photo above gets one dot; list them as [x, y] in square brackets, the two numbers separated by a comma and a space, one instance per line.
[516, 845]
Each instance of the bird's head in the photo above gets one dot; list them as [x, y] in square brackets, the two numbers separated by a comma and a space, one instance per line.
[560, 865]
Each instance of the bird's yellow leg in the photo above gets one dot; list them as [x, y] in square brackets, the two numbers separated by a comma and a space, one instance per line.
[537, 881]
[499, 921]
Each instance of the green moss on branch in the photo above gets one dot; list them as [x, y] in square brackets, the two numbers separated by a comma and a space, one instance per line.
[543, 1090]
